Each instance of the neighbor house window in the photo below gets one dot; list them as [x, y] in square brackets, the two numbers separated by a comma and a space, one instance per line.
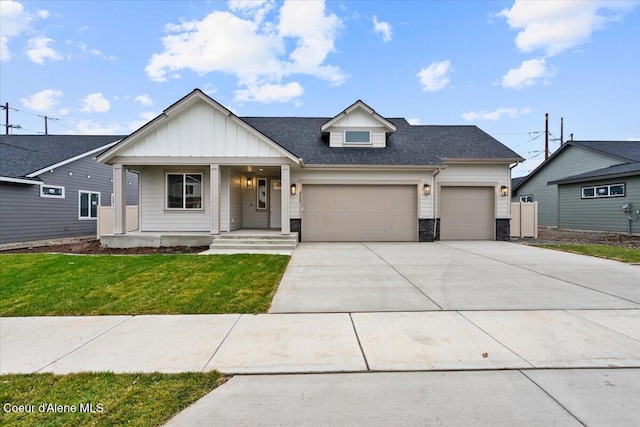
[88, 203]
[357, 137]
[53, 191]
[527, 198]
[184, 191]
[597, 191]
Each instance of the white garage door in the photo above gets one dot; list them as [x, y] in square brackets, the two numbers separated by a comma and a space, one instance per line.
[467, 213]
[359, 213]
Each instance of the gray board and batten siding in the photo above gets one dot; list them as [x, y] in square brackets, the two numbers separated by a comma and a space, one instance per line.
[25, 216]
[571, 161]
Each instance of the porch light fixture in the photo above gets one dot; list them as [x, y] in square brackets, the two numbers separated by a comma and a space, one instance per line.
[249, 182]
[294, 189]
[426, 189]
[504, 191]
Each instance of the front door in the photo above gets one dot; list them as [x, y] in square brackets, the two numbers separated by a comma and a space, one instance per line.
[275, 203]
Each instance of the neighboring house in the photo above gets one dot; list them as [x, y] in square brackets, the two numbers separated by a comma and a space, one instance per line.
[584, 186]
[356, 176]
[51, 186]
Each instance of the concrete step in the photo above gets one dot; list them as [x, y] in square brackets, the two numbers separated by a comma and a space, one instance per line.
[293, 236]
[273, 242]
[253, 246]
[253, 241]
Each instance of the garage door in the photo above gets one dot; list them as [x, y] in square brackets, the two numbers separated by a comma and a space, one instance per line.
[467, 213]
[359, 213]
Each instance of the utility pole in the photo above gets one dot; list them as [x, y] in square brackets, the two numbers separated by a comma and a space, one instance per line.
[46, 130]
[546, 136]
[6, 110]
[561, 131]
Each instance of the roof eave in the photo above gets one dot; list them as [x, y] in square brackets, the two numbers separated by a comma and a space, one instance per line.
[593, 178]
[72, 159]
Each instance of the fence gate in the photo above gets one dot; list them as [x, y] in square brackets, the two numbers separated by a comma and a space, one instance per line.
[524, 219]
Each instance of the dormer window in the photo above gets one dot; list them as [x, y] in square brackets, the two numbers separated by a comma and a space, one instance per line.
[357, 137]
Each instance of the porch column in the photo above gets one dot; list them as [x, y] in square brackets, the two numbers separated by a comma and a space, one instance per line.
[214, 184]
[285, 182]
[119, 199]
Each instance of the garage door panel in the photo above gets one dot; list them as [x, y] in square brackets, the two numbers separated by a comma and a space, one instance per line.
[359, 213]
[467, 213]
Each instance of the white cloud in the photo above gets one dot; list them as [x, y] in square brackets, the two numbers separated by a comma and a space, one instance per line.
[435, 76]
[43, 14]
[255, 51]
[87, 127]
[95, 103]
[63, 111]
[93, 51]
[382, 27]
[529, 73]
[496, 114]
[555, 26]
[43, 100]
[38, 50]
[270, 92]
[414, 121]
[145, 117]
[144, 100]
[13, 21]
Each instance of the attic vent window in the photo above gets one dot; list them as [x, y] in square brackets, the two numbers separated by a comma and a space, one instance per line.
[357, 137]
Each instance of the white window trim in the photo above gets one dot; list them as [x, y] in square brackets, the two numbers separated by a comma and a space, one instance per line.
[51, 196]
[87, 218]
[184, 180]
[609, 195]
[356, 143]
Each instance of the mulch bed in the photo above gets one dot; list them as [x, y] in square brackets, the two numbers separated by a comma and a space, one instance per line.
[94, 247]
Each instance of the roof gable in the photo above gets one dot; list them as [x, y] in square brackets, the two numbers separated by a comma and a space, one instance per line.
[359, 115]
[32, 155]
[197, 126]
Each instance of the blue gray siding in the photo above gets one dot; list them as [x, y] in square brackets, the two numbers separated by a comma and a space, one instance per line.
[599, 214]
[571, 161]
[25, 216]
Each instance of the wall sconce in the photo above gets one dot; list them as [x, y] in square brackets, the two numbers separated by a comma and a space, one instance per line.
[504, 191]
[294, 189]
[426, 189]
[249, 182]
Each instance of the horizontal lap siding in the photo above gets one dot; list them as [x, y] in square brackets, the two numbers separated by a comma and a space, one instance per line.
[25, 216]
[599, 214]
[572, 161]
[154, 216]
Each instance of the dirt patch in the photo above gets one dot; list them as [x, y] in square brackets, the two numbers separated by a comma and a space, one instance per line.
[554, 236]
[94, 247]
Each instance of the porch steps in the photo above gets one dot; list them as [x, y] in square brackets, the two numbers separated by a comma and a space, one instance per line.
[274, 242]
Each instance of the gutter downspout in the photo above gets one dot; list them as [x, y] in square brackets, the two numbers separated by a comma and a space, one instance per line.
[433, 203]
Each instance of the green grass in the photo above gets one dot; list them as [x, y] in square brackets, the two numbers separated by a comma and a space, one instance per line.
[123, 399]
[602, 251]
[50, 284]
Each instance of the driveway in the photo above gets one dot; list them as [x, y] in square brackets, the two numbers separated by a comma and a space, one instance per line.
[379, 277]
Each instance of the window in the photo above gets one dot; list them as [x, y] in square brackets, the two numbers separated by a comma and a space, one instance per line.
[53, 191]
[593, 192]
[357, 137]
[261, 202]
[527, 198]
[88, 203]
[184, 191]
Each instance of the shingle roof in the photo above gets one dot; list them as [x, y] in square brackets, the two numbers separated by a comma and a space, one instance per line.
[618, 171]
[625, 151]
[21, 155]
[408, 145]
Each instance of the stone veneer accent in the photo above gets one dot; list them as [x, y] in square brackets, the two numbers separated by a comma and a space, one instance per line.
[295, 226]
[503, 229]
[425, 229]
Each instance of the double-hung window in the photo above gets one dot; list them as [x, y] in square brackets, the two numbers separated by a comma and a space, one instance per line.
[184, 191]
[88, 202]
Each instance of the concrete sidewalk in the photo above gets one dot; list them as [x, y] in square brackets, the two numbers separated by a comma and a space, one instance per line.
[323, 343]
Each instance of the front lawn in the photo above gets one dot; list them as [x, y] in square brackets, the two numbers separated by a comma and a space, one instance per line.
[603, 251]
[64, 285]
[100, 399]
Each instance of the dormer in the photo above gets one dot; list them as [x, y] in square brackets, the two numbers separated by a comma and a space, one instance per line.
[358, 126]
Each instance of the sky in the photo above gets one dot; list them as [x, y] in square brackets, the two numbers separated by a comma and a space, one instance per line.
[108, 67]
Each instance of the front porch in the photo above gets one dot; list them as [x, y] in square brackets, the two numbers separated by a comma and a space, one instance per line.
[243, 240]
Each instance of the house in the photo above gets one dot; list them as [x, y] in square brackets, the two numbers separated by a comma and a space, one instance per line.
[356, 176]
[51, 185]
[584, 186]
